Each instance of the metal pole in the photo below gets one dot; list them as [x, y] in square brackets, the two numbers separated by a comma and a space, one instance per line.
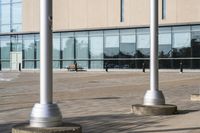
[46, 114]
[46, 52]
[154, 96]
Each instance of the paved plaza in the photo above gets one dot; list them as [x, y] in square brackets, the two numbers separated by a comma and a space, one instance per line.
[101, 102]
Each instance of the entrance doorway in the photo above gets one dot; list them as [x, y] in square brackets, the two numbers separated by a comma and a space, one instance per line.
[15, 60]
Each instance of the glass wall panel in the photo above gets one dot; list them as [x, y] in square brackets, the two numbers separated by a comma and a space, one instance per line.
[5, 14]
[16, 13]
[185, 62]
[139, 63]
[4, 1]
[82, 51]
[10, 15]
[96, 49]
[37, 43]
[195, 45]
[143, 43]
[67, 41]
[16, 41]
[165, 63]
[56, 50]
[67, 63]
[127, 46]
[5, 28]
[28, 48]
[111, 48]
[5, 51]
[165, 46]
[181, 42]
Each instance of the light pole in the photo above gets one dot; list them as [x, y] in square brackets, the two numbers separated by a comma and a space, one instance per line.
[45, 113]
[154, 96]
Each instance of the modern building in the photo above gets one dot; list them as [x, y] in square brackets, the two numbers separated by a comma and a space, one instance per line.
[101, 33]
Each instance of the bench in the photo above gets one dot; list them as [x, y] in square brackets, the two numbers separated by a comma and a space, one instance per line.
[74, 67]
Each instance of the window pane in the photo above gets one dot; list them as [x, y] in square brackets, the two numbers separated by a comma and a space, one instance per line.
[195, 44]
[181, 44]
[56, 64]
[56, 50]
[29, 45]
[37, 42]
[96, 47]
[16, 27]
[143, 41]
[127, 46]
[5, 64]
[83, 64]
[29, 65]
[96, 64]
[5, 28]
[82, 51]
[16, 43]
[14, 1]
[82, 47]
[16, 13]
[68, 47]
[5, 47]
[4, 1]
[111, 46]
[165, 45]
[181, 40]
[5, 14]
[143, 46]
[56, 46]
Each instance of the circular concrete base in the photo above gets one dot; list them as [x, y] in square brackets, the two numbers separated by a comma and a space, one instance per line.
[65, 128]
[195, 97]
[166, 109]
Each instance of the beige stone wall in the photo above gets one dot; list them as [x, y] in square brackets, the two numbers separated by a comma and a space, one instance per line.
[92, 14]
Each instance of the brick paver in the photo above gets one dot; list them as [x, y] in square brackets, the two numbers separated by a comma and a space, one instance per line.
[101, 102]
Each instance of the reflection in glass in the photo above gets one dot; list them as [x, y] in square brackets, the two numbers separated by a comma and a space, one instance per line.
[127, 46]
[111, 49]
[143, 43]
[181, 45]
[5, 14]
[37, 43]
[164, 45]
[56, 50]
[29, 46]
[82, 49]
[96, 51]
[143, 46]
[5, 51]
[111, 46]
[67, 45]
[16, 43]
[16, 13]
[195, 45]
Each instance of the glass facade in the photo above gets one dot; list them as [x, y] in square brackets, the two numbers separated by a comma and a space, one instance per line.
[10, 15]
[119, 48]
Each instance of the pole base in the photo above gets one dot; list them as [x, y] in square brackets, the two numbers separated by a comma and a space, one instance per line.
[45, 115]
[65, 128]
[154, 98]
[154, 110]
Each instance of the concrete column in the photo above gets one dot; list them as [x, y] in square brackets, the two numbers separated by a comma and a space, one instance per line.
[46, 114]
[154, 96]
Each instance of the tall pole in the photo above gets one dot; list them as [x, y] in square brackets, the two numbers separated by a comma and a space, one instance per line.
[46, 52]
[46, 114]
[154, 96]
